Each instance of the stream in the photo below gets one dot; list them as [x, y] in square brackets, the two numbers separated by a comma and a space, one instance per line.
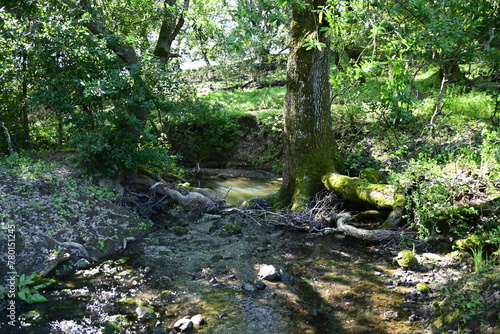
[238, 189]
[208, 266]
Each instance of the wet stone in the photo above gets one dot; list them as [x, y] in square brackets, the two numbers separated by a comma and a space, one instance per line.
[249, 287]
[260, 285]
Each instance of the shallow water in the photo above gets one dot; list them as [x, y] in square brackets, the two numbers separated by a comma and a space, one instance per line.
[238, 189]
[333, 284]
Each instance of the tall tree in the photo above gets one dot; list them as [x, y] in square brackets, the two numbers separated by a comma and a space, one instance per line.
[310, 148]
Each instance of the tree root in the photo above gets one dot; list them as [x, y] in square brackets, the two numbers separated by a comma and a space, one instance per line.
[192, 197]
[369, 235]
[360, 191]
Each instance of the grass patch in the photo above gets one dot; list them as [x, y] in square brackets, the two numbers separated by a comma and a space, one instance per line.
[248, 100]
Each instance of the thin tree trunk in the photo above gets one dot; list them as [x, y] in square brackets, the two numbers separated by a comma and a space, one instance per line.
[439, 102]
[24, 108]
[7, 138]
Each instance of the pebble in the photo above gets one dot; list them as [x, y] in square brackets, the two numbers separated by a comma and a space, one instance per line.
[391, 314]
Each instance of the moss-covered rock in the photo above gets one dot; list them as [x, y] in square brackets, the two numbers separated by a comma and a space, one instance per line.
[472, 241]
[406, 259]
[423, 288]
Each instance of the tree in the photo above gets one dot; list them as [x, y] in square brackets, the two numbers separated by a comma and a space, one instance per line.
[89, 68]
[312, 161]
[310, 148]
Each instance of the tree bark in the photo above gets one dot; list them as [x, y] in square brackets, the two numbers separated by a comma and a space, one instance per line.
[170, 28]
[7, 139]
[310, 149]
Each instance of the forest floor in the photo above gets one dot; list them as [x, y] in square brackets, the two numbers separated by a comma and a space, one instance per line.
[121, 273]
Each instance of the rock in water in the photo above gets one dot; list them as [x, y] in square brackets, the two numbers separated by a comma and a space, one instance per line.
[268, 272]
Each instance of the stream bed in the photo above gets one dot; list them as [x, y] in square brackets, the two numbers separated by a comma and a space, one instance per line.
[207, 267]
[324, 284]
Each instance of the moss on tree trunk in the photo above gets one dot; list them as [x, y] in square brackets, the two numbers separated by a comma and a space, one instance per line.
[310, 149]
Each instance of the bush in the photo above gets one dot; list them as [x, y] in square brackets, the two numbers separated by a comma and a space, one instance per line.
[110, 144]
[200, 131]
[439, 190]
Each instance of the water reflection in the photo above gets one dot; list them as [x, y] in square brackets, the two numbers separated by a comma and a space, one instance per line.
[238, 189]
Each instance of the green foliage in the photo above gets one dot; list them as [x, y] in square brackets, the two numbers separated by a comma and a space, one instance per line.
[109, 147]
[199, 130]
[478, 257]
[472, 296]
[432, 198]
[28, 291]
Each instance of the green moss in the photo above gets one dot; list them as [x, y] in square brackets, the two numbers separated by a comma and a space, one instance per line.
[372, 175]
[470, 242]
[180, 230]
[406, 259]
[216, 258]
[232, 228]
[423, 288]
[126, 302]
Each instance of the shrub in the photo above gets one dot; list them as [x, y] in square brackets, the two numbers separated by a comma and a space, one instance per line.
[109, 144]
[200, 131]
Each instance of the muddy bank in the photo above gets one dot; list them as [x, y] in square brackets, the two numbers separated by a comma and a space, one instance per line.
[56, 219]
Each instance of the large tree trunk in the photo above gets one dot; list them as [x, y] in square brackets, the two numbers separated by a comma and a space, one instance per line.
[310, 149]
